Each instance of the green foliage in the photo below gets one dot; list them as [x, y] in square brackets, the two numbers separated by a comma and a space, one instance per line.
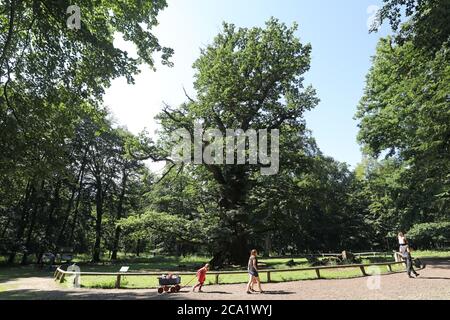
[61, 160]
[405, 106]
[427, 26]
[245, 74]
[167, 227]
[405, 116]
[316, 210]
[430, 234]
[246, 79]
[70, 179]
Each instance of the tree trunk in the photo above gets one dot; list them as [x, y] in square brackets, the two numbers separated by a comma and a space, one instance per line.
[138, 248]
[233, 248]
[52, 212]
[29, 196]
[116, 243]
[36, 207]
[75, 191]
[39, 257]
[75, 217]
[5, 228]
[233, 252]
[268, 246]
[119, 216]
[66, 219]
[98, 221]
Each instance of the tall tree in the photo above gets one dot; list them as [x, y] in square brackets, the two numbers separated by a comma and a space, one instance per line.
[246, 79]
[405, 112]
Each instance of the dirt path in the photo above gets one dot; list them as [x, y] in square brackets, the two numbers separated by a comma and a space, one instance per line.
[434, 283]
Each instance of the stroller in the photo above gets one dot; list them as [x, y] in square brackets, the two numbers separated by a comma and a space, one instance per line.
[169, 283]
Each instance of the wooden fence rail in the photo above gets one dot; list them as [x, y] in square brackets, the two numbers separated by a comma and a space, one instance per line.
[324, 255]
[60, 274]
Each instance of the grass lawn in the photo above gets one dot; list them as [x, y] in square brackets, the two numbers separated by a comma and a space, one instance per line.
[178, 265]
[431, 254]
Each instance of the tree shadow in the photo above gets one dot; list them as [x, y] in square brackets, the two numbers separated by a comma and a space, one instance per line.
[14, 273]
[217, 292]
[436, 261]
[432, 278]
[28, 294]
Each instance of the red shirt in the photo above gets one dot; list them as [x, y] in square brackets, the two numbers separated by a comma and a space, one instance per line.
[201, 274]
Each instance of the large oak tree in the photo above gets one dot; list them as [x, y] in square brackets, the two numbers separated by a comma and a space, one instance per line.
[246, 79]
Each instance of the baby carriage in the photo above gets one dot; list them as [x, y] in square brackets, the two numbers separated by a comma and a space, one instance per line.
[169, 284]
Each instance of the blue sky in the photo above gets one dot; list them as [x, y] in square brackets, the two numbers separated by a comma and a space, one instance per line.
[341, 58]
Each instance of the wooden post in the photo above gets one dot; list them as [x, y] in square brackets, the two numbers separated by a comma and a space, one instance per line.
[396, 257]
[318, 273]
[217, 279]
[363, 271]
[118, 281]
[389, 267]
[268, 277]
[61, 279]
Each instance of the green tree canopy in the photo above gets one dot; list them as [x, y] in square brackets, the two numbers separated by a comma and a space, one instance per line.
[427, 26]
[246, 79]
[53, 129]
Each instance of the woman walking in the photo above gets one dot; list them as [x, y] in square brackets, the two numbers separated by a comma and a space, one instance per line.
[253, 272]
[402, 240]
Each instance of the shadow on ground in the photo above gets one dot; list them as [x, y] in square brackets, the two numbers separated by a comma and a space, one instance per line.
[277, 292]
[8, 274]
[28, 294]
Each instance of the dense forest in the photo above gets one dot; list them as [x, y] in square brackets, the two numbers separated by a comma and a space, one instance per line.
[71, 178]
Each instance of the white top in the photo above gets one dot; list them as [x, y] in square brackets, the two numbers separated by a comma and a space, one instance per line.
[402, 240]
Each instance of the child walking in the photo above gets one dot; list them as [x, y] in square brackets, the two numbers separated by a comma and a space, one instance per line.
[201, 276]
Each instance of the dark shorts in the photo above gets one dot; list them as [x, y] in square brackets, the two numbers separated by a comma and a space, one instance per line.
[253, 273]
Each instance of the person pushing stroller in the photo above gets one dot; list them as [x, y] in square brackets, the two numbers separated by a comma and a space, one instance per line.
[405, 251]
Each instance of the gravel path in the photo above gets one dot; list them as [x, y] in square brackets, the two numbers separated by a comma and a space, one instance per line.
[434, 283]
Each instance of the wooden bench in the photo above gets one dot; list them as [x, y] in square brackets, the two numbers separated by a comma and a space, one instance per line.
[65, 255]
